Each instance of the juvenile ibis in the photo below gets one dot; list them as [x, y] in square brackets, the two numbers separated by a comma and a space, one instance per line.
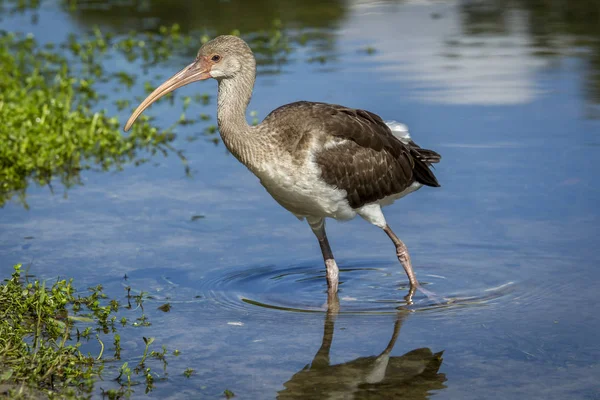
[317, 160]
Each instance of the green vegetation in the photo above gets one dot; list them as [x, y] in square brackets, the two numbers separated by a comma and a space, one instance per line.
[49, 105]
[43, 331]
[49, 127]
[370, 50]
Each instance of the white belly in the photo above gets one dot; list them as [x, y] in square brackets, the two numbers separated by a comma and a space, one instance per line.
[307, 195]
[302, 191]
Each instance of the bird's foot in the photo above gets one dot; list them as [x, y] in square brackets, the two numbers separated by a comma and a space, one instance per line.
[409, 296]
[429, 294]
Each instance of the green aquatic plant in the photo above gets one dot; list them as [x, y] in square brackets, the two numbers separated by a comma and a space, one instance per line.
[370, 50]
[42, 331]
[271, 46]
[51, 128]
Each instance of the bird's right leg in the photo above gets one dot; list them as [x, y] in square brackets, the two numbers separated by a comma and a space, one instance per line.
[318, 227]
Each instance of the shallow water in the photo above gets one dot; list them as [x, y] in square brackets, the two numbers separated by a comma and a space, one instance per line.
[508, 95]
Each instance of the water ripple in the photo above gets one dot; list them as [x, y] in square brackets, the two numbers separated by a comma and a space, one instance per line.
[366, 287]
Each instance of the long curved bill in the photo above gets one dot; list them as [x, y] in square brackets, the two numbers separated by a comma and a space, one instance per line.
[196, 71]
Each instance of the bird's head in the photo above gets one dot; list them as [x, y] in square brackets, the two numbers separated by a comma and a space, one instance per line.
[224, 57]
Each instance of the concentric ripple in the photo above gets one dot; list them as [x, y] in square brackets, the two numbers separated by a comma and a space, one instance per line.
[365, 287]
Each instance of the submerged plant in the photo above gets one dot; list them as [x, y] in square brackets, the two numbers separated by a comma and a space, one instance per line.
[42, 331]
[50, 126]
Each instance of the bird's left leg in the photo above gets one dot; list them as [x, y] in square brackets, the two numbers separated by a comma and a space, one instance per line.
[318, 227]
[373, 214]
[403, 256]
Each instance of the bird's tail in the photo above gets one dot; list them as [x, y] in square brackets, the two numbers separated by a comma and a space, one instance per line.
[428, 156]
[423, 157]
[423, 160]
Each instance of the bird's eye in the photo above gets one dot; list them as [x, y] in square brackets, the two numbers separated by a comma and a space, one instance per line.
[216, 58]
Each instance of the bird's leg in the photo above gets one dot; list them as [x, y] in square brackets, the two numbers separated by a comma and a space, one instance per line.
[318, 227]
[404, 258]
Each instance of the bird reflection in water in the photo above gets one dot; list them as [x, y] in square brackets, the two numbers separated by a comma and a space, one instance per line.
[413, 375]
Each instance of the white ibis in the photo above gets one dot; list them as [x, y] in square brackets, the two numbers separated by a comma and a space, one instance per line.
[317, 160]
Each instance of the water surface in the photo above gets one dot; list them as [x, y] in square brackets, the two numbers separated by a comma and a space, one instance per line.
[507, 93]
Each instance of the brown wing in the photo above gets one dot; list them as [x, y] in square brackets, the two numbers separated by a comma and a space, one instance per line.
[365, 174]
[362, 156]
